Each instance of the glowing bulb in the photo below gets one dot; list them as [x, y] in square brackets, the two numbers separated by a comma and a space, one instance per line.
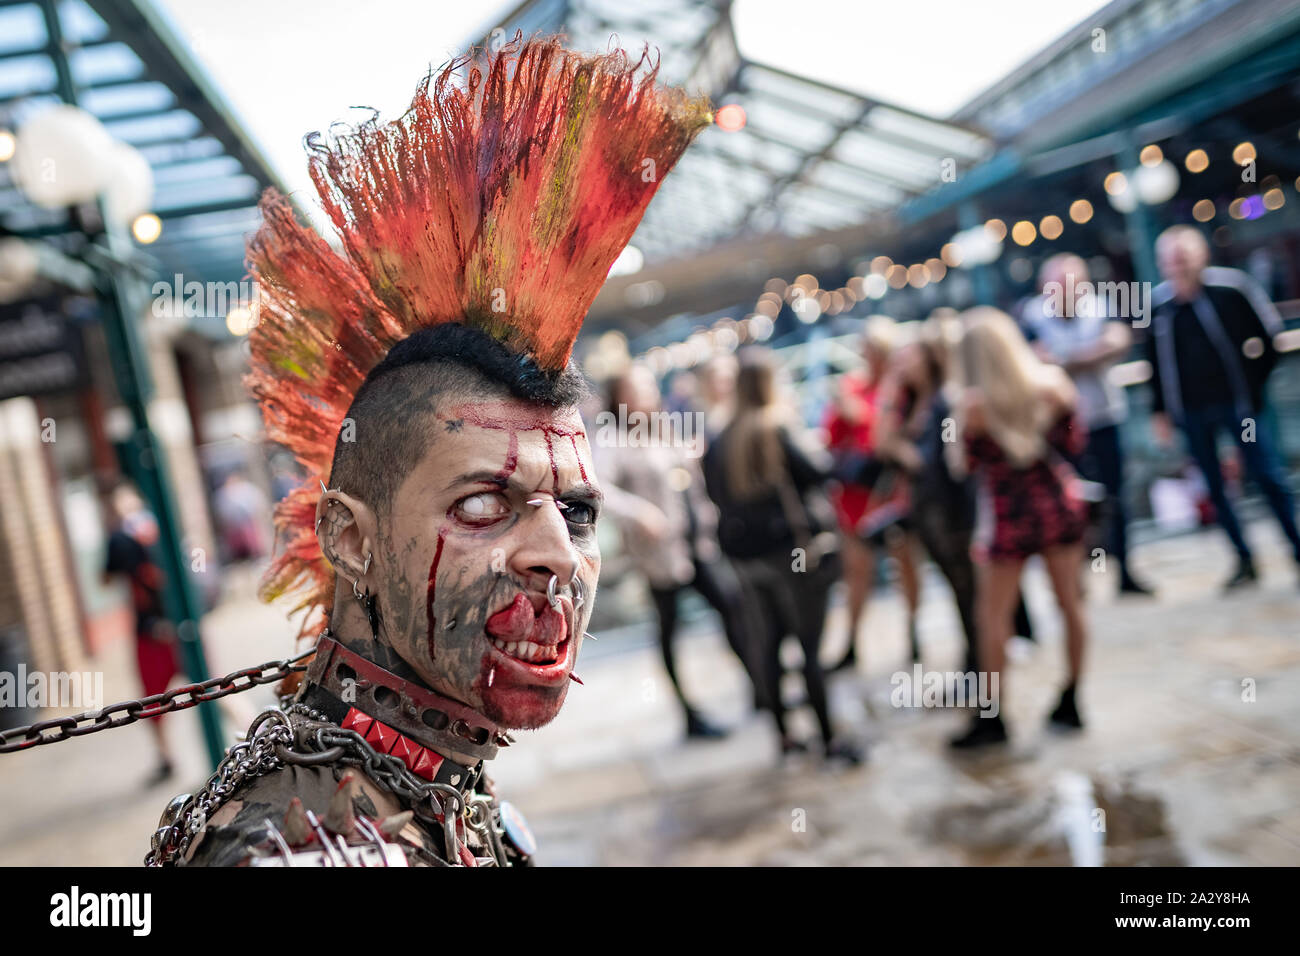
[146, 228]
[239, 320]
[1151, 155]
[730, 118]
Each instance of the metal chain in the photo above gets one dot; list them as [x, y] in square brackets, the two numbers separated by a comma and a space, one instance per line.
[392, 774]
[270, 749]
[129, 711]
[251, 758]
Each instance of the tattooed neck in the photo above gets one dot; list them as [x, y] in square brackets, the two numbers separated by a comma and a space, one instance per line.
[351, 629]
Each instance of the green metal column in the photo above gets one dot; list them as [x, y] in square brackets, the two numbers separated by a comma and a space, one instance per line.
[135, 386]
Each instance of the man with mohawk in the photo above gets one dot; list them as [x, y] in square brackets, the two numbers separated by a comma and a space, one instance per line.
[426, 374]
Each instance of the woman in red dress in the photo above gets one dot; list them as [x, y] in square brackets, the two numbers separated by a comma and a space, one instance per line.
[130, 554]
[850, 426]
[1018, 425]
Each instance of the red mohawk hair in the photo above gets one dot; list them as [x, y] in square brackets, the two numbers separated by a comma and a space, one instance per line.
[501, 205]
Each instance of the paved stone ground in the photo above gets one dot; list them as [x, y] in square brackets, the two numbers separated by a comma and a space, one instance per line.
[1174, 768]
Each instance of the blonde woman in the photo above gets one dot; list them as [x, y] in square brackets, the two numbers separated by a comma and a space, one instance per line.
[1018, 422]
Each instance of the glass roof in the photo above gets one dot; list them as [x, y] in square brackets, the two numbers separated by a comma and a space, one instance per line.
[811, 156]
[133, 74]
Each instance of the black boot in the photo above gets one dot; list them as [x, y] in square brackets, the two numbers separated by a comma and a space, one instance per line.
[916, 645]
[1066, 714]
[699, 728]
[983, 732]
[1244, 575]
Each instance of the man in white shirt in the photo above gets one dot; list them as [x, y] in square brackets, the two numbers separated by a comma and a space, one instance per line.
[1068, 326]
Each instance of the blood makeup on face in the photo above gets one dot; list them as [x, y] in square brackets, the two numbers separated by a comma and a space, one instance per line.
[513, 420]
[508, 699]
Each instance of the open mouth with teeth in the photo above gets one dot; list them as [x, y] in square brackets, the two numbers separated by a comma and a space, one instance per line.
[535, 638]
[529, 652]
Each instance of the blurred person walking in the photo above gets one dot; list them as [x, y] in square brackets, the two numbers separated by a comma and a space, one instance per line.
[915, 424]
[243, 515]
[1018, 423]
[716, 393]
[869, 500]
[655, 493]
[776, 524]
[133, 533]
[1068, 326]
[1211, 351]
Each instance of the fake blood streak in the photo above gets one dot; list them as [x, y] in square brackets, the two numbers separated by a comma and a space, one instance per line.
[429, 596]
[501, 418]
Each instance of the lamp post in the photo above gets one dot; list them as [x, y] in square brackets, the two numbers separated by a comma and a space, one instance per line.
[134, 384]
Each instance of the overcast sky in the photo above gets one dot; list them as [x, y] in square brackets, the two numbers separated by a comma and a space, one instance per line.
[291, 66]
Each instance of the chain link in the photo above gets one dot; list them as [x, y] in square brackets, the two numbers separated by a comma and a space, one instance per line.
[270, 749]
[130, 711]
[244, 761]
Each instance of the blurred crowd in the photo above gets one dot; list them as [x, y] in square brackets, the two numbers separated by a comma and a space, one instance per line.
[977, 440]
[974, 440]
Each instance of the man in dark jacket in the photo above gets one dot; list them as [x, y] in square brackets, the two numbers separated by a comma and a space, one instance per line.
[1211, 351]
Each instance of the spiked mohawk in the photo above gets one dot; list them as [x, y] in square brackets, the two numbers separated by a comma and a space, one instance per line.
[500, 205]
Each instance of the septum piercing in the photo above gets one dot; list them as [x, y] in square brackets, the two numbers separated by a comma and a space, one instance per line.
[575, 587]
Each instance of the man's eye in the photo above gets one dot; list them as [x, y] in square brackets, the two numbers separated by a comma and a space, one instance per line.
[482, 508]
[579, 513]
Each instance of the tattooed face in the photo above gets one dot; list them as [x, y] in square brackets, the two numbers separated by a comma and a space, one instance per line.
[505, 498]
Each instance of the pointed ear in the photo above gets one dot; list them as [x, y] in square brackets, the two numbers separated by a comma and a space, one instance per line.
[346, 530]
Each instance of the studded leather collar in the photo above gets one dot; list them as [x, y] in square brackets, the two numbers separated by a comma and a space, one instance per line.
[339, 681]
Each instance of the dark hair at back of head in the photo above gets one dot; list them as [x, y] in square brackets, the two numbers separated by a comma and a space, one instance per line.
[389, 415]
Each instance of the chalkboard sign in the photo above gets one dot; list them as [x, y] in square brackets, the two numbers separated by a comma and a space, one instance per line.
[40, 349]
